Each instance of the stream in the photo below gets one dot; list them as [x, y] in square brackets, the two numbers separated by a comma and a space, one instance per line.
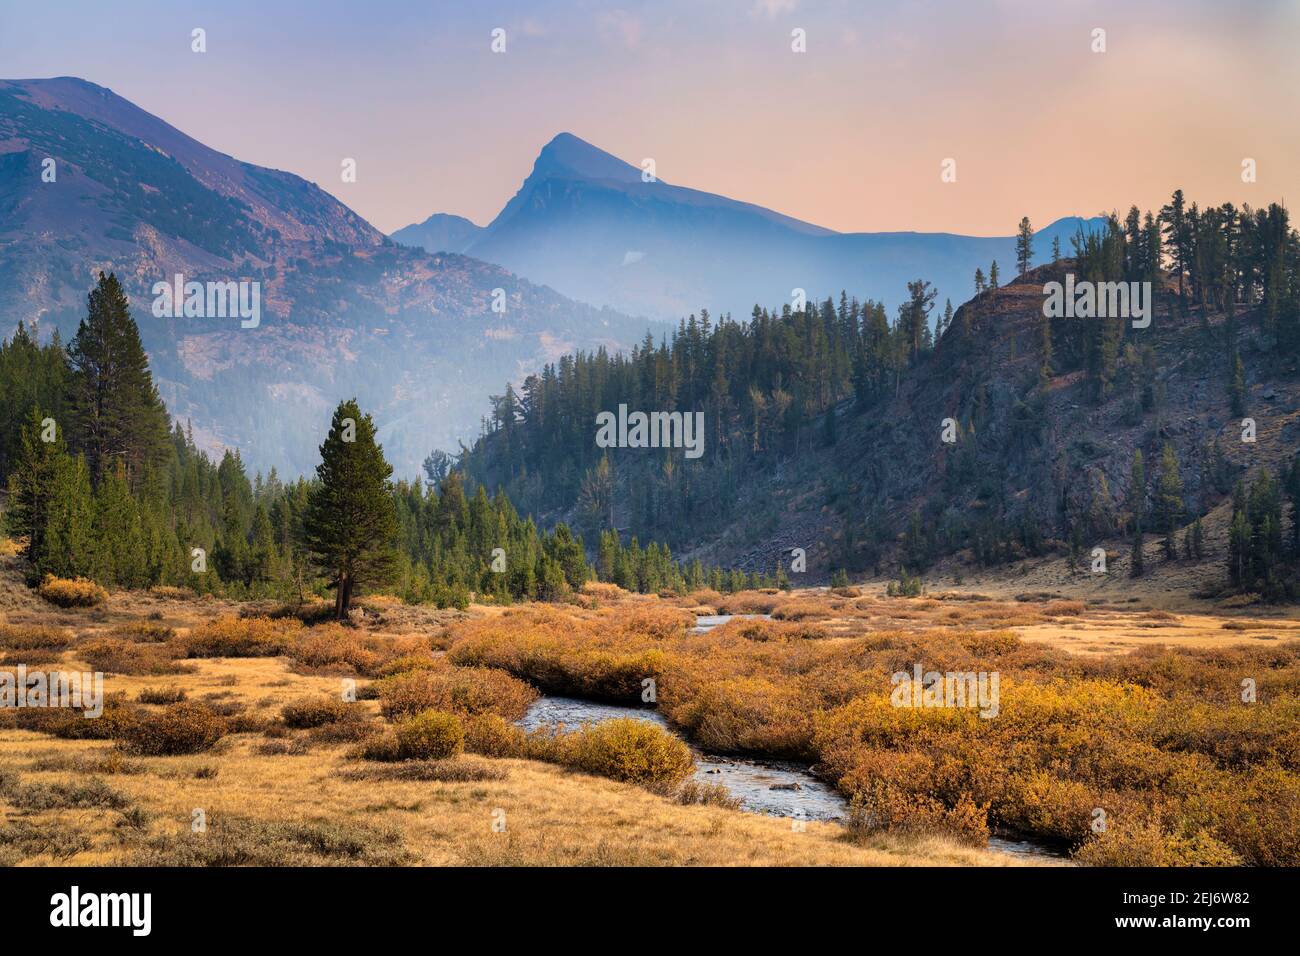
[775, 787]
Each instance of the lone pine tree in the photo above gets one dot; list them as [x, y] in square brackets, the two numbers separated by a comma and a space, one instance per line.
[350, 524]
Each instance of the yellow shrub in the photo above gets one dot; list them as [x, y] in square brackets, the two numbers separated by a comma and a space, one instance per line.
[631, 750]
[74, 592]
[493, 736]
[430, 735]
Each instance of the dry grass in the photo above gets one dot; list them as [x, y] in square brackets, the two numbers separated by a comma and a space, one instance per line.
[1225, 774]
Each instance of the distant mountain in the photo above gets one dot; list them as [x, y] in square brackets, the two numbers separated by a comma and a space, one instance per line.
[90, 182]
[441, 232]
[586, 224]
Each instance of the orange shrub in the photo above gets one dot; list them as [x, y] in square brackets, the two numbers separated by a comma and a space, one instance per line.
[462, 690]
[242, 637]
[333, 645]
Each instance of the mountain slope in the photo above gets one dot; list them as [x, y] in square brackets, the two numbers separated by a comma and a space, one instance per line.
[585, 223]
[1045, 458]
[344, 311]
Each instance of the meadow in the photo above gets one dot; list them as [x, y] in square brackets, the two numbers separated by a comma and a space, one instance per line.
[258, 734]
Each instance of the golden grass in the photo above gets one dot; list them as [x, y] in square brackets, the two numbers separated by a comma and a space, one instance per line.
[552, 817]
[1157, 736]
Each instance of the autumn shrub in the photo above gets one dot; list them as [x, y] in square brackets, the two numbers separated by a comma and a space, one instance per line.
[430, 735]
[354, 726]
[70, 723]
[630, 750]
[749, 602]
[704, 596]
[407, 663]
[183, 728]
[161, 695]
[1069, 609]
[308, 712]
[493, 736]
[988, 643]
[656, 622]
[113, 656]
[25, 637]
[242, 637]
[142, 632]
[803, 610]
[71, 592]
[745, 714]
[760, 629]
[467, 691]
[336, 646]
[170, 592]
[561, 653]
[604, 591]
[1142, 841]
[881, 807]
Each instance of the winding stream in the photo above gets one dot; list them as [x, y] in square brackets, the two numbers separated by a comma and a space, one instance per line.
[775, 787]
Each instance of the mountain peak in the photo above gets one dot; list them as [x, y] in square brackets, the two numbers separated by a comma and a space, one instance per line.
[569, 157]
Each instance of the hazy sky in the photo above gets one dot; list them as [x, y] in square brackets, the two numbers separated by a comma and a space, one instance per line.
[849, 135]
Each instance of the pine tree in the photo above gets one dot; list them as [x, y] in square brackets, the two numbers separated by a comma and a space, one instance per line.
[1169, 498]
[1237, 386]
[1024, 246]
[993, 275]
[117, 414]
[69, 539]
[119, 546]
[32, 485]
[979, 280]
[350, 523]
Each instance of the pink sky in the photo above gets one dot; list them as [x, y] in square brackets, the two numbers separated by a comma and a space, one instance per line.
[849, 135]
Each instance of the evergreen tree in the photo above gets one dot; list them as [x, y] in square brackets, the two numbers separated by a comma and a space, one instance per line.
[117, 414]
[1024, 246]
[1169, 498]
[350, 522]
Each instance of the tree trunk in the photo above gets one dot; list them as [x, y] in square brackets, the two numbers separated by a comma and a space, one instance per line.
[343, 597]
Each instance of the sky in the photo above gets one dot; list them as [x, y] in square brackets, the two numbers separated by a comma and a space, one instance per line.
[851, 134]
